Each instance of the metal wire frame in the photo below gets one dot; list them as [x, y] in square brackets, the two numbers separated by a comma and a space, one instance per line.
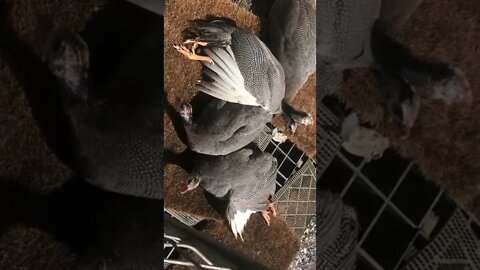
[174, 243]
[180, 238]
[328, 147]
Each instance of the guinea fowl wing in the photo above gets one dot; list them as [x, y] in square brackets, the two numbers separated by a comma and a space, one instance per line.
[240, 67]
[263, 73]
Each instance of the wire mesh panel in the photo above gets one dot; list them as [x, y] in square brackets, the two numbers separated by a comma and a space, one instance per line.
[185, 218]
[328, 143]
[456, 247]
[296, 199]
[264, 138]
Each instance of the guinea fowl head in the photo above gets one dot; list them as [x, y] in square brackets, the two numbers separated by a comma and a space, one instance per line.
[193, 182]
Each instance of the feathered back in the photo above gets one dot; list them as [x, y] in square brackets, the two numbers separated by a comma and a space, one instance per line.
[263, 73]
[292, 29]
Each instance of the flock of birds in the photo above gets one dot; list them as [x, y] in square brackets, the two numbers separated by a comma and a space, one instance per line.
[116, 134]
[249, 81]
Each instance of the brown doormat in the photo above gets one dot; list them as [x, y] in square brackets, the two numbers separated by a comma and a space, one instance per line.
[444, 141]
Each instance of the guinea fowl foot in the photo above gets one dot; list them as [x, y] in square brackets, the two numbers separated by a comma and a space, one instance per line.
[186, 112]
[266, 216]
[190, 54]
[270, 210]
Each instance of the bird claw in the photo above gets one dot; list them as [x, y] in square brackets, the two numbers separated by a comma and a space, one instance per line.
[266, 217]
[190, 53]
[270, 210]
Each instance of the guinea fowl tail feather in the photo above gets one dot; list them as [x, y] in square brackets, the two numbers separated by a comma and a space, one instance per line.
[238, 221]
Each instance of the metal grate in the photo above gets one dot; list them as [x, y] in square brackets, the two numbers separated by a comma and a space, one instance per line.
[174, 244]
[264, 138]
[289, 157]
[328, 143]
[399, 212]
[296, 199]
[456, 247]
[185, 218]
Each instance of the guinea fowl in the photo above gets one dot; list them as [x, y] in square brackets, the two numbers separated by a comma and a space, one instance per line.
[352, 35]
[343, 39]
[292, 31]
[432, 79]
[237, 66]
[117, 127]
[223, 127]
[245, 178]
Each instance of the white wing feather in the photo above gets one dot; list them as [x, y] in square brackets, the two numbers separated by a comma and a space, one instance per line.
[227, 82]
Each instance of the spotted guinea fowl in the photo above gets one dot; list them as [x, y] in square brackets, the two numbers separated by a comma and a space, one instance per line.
[352, 35]
[292, 31]
[237, 66]
[343, 39]
[222, 127]
[431, 78]
[245, 178]
[117, 132]
[355, 34]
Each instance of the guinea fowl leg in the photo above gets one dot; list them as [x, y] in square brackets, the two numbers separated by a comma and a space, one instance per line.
[266, 216]
[270, 210]
[190, 54]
